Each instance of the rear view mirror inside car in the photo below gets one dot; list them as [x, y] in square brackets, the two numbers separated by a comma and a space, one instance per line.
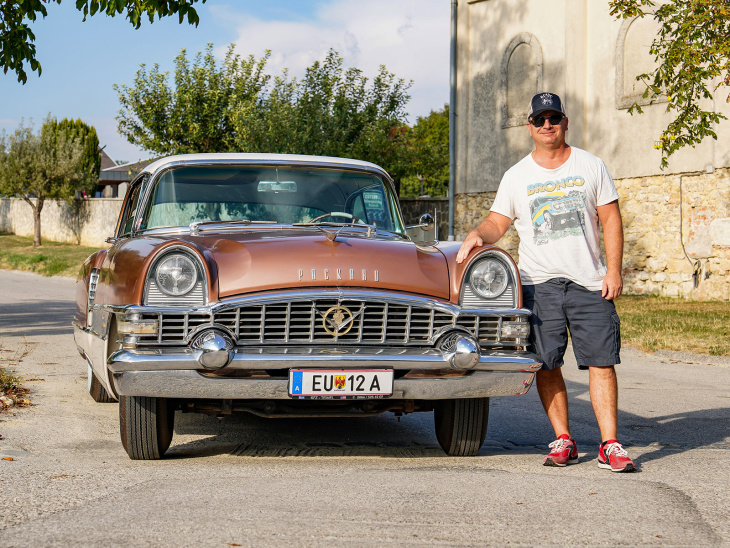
[277, 186]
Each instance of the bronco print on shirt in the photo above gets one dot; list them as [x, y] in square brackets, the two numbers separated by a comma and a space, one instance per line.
[557, 209]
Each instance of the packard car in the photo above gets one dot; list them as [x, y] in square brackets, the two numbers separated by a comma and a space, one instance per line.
[288, 286]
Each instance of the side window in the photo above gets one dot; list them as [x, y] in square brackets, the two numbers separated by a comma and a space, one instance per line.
[130, 209]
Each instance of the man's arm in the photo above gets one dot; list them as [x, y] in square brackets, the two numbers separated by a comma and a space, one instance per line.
[613, 239]
[488, 231]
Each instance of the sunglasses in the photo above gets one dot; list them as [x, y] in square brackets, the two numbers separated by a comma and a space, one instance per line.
[554, 119]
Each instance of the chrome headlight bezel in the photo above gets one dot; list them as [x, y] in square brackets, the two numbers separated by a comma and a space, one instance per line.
[507, 295]
[194, 293]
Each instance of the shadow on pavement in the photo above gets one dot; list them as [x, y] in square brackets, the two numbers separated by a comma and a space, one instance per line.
[36, 318]
[664, 434]
[517, 426]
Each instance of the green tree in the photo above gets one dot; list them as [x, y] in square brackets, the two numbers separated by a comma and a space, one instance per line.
[16, 37]
[195, 114]
[86, 134]
[429, 141]
[692, 51]
[48, 165]
[331, 111]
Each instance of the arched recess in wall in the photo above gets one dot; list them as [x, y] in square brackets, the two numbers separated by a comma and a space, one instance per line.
[520, 78]
[633, 58]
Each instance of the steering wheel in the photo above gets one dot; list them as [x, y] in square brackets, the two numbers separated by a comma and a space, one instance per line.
[352, 218]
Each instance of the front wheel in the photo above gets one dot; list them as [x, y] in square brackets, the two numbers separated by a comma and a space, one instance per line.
[146, 426]
[461, 425]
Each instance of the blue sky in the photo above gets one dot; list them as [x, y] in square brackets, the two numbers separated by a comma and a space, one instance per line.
[82, 60]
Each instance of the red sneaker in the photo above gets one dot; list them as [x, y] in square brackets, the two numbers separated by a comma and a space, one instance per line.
[613, 457]
[563, 451]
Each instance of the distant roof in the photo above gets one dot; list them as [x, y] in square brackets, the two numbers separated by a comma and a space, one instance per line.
[106, 161]
[122, 173]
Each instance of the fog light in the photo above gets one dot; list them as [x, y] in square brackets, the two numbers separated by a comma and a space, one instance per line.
[515, 330]
[134, 324]
[213, 349]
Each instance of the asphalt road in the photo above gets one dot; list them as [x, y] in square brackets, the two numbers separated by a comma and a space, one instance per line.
[365, 482]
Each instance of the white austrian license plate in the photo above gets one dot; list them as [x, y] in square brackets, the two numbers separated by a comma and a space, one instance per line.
[329, 384]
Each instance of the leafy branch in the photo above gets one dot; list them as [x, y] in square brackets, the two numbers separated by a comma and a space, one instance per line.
[692, 52]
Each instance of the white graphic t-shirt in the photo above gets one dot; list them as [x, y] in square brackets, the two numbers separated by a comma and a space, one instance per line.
[554, 211]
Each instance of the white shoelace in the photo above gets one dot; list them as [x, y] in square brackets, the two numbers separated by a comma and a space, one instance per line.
[616, 448]
[557, 444]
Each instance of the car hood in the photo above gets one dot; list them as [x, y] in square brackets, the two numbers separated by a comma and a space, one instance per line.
[298, 259]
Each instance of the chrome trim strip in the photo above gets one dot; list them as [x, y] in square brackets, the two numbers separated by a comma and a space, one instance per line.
[307, 295]
[168, 359]
[190, 384]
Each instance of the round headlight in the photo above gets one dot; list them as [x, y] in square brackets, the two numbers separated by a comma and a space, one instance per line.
[176, 275]
[489, 278]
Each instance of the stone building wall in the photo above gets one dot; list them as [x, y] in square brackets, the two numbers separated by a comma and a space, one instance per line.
[413, 208]
[658, 220]
[95, 220]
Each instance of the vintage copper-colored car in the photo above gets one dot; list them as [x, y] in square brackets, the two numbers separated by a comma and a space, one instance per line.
[287, 286]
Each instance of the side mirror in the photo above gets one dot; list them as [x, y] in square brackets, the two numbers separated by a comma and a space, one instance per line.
[425, 223]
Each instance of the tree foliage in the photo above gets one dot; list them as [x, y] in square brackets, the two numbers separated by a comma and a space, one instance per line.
[195, 113]
[17, 46]
[429, 140]
[692, 51]
[51, 164]
[86, 135]
[238, 107]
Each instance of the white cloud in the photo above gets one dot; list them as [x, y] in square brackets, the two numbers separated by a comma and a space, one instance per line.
[409, 37]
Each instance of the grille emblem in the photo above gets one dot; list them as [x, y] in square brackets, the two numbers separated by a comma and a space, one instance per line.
[340, 320]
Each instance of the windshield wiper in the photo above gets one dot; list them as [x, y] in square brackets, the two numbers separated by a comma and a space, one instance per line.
[195, 227]
[372, 229]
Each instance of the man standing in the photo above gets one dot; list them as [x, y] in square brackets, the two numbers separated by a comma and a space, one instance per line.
[556, 196]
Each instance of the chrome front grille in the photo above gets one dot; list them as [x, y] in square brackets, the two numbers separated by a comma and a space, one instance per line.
[304, 322]
[300, 322]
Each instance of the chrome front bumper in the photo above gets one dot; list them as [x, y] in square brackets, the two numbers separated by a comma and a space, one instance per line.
[174, 373]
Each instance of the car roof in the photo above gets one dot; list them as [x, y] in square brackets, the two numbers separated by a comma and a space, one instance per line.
[267, 159]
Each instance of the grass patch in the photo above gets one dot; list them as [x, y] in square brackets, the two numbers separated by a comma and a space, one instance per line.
[50, 259]
[661, 323]
[9, 382]
[12, 391]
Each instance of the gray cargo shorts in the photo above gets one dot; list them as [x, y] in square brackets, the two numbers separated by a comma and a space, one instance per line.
[559, 306]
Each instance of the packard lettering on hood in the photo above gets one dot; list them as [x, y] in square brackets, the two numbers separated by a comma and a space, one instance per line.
[338, 273]
[250, 283]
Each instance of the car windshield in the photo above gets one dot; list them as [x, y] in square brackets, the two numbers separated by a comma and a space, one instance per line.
[284, 195]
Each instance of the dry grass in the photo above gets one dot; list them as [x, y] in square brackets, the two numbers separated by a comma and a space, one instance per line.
[50, 259]
[654, 323]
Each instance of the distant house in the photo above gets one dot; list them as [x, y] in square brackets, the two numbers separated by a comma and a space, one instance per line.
[114, 178]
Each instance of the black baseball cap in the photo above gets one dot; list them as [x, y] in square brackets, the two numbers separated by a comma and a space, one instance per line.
[542, 102]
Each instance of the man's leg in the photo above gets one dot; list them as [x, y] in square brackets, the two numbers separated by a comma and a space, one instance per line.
[604, 398]
[554, 397]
